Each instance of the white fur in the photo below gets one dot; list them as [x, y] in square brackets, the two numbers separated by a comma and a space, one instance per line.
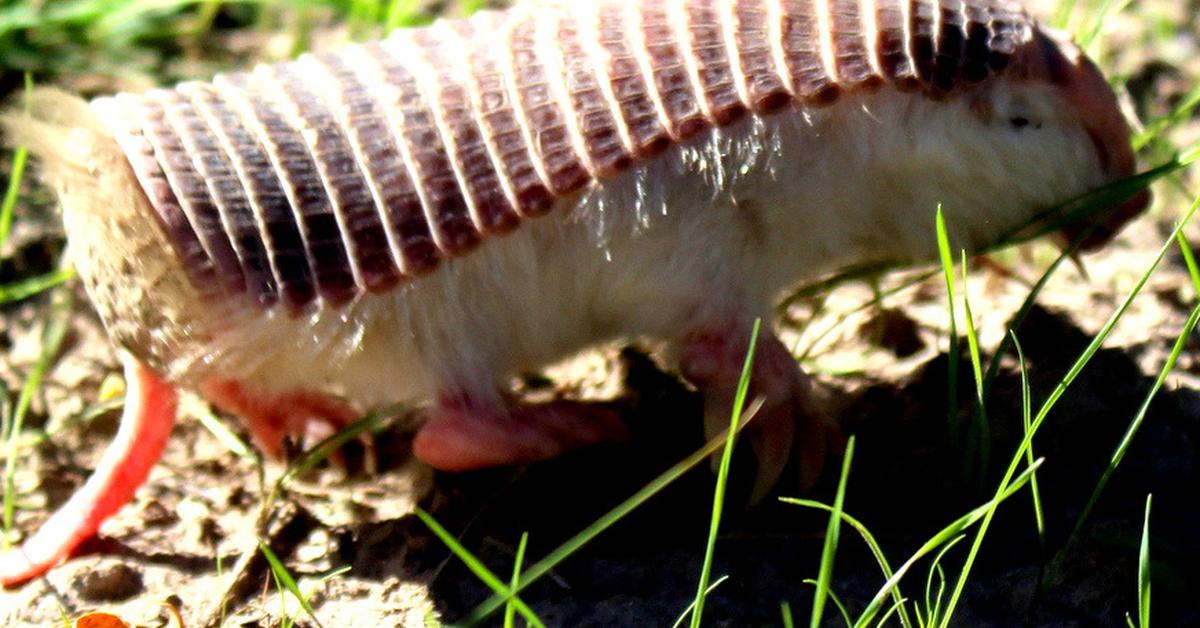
[704, 237]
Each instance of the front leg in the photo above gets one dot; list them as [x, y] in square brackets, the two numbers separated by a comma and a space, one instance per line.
[712, 359]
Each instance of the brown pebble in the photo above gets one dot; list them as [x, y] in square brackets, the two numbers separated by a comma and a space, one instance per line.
[111, 583]
[895, 331]
[157, 514]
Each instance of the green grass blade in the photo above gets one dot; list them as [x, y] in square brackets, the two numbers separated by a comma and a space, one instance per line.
[785, 610]
[739, 402]
[571, 545]
[1106, 10]
[946, 259]
[322, 450]
[33, 438]
[478, 568]
[1127, 438]
[1027, 424]
[285, 580]
[897, 605]
[1185, 249]
[1062, 17]
[832, 532]
[510, 607]
[942, 537]
[225, 436]
[876, 299]
[1180, 114]
[330, 444]
[32, 286]
[402, 13]
[872, 544]
[1094, 201]
[1189, 155]
[333, 573]
[15, 175]
[1058, 391]
[833, 598]
[20, 157]
[979, 440]
[1051, 220]
[934, 607]
[471, 7]
[687, 612]
[52, 338]
[1144, 571]
[993, 370]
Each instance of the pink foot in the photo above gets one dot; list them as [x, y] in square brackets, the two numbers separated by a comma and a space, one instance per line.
[145, 425]
[713, 361]
[461, 436]
[308, 416]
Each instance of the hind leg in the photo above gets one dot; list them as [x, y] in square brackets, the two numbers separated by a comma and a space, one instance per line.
[465, 433]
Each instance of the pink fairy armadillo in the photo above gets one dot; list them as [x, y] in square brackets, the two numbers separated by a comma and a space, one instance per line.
[421, 217]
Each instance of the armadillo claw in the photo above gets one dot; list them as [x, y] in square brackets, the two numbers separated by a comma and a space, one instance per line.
[713, 363]
[271, 418]
[461, 437]
[145, 425]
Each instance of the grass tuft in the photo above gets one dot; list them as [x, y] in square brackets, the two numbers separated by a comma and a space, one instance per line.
[1132, 429]
[572, 545]
[480, 570]
[1062, 386]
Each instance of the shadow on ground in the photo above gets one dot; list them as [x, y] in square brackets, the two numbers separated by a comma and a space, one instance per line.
[910, 477]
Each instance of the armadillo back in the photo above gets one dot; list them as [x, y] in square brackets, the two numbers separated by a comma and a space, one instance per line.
[314, 182]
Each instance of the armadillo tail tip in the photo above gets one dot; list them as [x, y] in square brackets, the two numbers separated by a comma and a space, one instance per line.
[145, 425]
[75, 153]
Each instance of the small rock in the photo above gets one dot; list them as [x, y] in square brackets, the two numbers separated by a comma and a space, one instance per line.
[111, 583]
[157, 514]
[895, 331]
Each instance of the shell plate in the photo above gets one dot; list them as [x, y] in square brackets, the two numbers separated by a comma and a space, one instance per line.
[313, 182]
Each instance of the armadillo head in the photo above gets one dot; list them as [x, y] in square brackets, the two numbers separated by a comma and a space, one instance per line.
[996, 154]
[1054, 91]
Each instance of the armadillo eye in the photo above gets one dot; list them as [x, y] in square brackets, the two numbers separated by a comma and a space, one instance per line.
[1021, 122]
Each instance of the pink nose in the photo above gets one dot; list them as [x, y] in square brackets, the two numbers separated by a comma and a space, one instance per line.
[1109, 223]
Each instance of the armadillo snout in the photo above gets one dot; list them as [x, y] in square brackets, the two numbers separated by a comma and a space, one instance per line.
[1058, 61]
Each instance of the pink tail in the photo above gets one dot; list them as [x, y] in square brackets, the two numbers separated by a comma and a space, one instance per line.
[145, 425]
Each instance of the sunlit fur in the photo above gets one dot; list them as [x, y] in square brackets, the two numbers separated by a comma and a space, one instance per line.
[724, 225]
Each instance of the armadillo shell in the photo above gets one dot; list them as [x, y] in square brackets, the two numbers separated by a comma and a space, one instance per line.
[336, 175]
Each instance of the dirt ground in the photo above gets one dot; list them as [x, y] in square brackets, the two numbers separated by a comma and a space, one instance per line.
[882, 376]
[197, 515]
